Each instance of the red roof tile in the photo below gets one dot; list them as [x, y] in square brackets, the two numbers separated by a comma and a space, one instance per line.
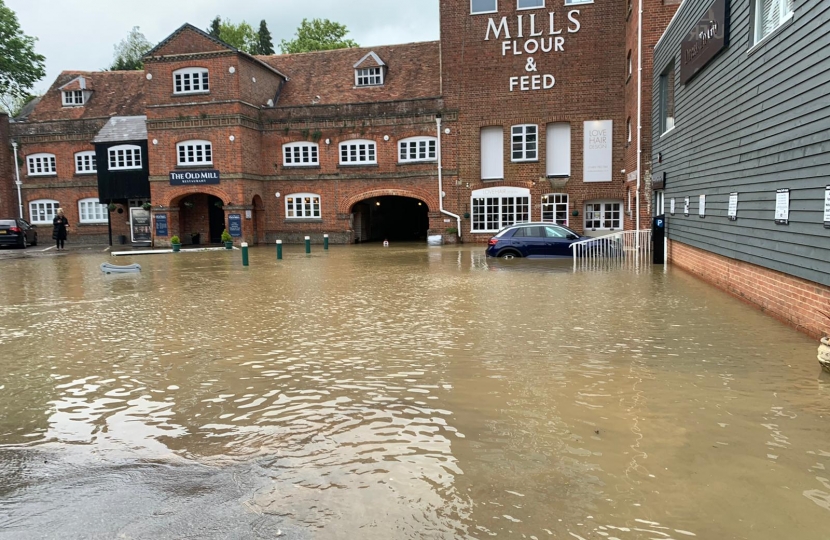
[116, 93]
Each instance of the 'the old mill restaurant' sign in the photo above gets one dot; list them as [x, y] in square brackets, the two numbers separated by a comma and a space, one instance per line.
[194, 178]
[706, 39]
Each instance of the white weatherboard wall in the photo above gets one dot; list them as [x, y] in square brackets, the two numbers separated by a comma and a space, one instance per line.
[598, 151]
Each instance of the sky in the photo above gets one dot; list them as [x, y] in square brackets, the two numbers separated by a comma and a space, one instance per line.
[81, 34]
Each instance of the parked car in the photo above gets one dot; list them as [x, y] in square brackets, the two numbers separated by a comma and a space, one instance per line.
[533, 240]
[17, 232]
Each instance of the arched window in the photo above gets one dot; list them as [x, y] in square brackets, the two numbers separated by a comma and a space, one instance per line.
[41, 164]
[85, 163]
[191, 81]
[92, 211]
[416, 149]
[124, 157]
[43, 211]
[300, 154]
[358, 152]
[302, 206]
[194, 153]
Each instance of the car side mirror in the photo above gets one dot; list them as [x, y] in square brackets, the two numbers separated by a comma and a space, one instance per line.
[573, 237]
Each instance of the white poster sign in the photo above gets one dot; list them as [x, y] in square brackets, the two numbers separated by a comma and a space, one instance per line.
[782, 206]
[686, 207]
[732, 211]
[827, 207]
[672, 205]
[598, 151]
[701, 211]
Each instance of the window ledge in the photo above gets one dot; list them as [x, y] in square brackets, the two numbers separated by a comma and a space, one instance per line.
[300, 167]
[52, 175]
[186, 94]
[785, 23]
[86, 173]
[355, 165]
[123, 169]
[487, 180]
[424, 162]
[303, 220]
[524, 161]
[193, 166]
[667, 132]
[91, 224]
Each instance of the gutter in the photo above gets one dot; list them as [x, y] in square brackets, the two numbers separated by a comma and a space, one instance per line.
[441, 181]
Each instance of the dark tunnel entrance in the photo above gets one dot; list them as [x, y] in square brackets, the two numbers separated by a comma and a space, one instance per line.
[398, 219]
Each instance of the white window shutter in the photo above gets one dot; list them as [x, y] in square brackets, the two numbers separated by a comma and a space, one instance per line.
[492, 153]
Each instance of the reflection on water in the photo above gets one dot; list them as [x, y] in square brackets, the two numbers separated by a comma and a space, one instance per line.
[400, 393]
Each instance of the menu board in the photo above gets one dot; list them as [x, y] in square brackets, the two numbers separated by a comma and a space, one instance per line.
[686, 207]
[140, 225]
[782, 206]
[827, 207]
[671, 206]
[701, 211]
[732, 211]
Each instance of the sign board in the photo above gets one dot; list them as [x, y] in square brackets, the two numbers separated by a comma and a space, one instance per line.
[701, 209]
[686, 207]
[782, 206]
[235, 225]
[732, 210]
[598, 151]
[671, 207]
[632, 176]
[194, 178]
[708, 37]
[827, 207]
[161, 224]
[140, 226]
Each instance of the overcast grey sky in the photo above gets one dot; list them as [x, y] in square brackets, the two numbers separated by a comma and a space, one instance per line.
[80, 34]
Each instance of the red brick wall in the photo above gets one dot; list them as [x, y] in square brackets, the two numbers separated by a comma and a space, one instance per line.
[789, 299]
[8, 196]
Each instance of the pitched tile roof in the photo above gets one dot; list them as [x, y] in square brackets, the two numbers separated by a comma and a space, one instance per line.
[413, 71]
[123, 128]
[116, 93]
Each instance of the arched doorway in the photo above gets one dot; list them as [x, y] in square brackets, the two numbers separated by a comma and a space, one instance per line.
[389, 217]
[202, 219]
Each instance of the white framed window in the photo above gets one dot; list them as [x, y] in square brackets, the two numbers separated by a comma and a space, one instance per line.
[43, 211]
[524, 143]
[85, 163]
[300, 154]
[630, 65]
[492, 153]
[530, 4]
[577, 2]
[372, 76]
[358, 152]
[483, 6]
[191, 81]
[659, 202]
[496, 208]
[417, 149]
[558, 145]
[302, 206]
[92, 211]
[555, 208]
[124, 157]
[194, 153]
[136, 203]
[73, 98]
[667, 99]
[769, 15]
[628, 129]
[41, 164]
[603, 215]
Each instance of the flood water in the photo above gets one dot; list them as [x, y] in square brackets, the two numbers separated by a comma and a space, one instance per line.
[394, 393]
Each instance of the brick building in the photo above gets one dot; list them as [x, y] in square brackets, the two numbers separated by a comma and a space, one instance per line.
[524, 110]
[8, 201]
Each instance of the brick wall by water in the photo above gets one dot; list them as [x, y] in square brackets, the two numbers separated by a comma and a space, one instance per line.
[793, 300]
[8, 202]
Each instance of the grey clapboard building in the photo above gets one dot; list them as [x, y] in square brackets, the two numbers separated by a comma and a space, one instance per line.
[742, 112]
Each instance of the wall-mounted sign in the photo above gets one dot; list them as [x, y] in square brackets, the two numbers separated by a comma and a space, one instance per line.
[140, 226]
[708, 37]
[249, 214]
[732, 210]
[598, 151]
[686, 207]
[161, 224]
[782, 206]
[502, 191]
[701, 209]
[235, 225]
[827, 207]
[194, 178]
[671, 207]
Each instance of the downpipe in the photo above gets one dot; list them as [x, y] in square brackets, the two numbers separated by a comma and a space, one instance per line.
[639, 115]
[17, 180]
[441, 182]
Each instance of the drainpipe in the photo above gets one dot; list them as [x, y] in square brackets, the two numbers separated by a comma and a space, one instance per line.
[441, 181]
[639, 113]
[17, 180]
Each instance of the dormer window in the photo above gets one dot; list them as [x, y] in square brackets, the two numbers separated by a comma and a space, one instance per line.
[369, 76]
[73, 98]
[191, 81]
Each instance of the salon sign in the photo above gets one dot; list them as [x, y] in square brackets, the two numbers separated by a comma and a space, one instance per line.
[532, 36]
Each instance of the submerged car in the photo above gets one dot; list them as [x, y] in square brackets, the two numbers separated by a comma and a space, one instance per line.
[533, 240]
[17, 232]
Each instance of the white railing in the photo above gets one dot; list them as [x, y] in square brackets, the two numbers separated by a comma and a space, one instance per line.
[623, 245]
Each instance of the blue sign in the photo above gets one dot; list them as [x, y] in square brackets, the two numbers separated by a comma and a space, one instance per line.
[161, 224]
[235, 225]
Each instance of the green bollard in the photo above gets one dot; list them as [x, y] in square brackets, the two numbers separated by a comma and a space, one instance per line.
[308, 244]
[279, 250]
[326, 242]
[245, 254]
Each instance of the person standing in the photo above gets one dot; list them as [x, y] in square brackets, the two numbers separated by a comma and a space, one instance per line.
[59, 226]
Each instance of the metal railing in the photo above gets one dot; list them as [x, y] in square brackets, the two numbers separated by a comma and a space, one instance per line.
[625, 246]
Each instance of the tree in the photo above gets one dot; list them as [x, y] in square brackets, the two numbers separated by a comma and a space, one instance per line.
[20, 66]
[318, 35]
[129, 54]
[215, 27]
[264, 43]
[241, 36]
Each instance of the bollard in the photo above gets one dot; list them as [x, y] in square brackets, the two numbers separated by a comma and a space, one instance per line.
[308, 244]
[326, 242]
[279, 250]
[245, 254]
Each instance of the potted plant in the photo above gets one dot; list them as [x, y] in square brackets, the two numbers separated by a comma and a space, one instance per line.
[824, 348]
[176, 242]
[227, 239]
[147, 206]
[111, 207]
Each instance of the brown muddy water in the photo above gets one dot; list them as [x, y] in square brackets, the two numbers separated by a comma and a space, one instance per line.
[400, 393]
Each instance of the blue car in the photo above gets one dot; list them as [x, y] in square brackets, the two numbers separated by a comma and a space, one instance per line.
[534, 241]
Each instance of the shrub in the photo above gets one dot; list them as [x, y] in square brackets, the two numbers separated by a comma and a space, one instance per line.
[175, 240]
[226, 236]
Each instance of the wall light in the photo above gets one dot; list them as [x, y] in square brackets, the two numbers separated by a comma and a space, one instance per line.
[386, 137]
[232, 138]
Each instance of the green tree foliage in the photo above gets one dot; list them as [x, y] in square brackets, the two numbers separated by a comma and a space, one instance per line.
[242, 36]
[20, 66]
[129, 54]
[265, 45]
[318, 35]
[215, 27]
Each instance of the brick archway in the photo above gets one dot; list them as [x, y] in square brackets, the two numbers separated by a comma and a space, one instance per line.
[175, 196]
[345, 206]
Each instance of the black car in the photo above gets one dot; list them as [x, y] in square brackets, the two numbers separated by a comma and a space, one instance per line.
[533, 240]
[17, 232]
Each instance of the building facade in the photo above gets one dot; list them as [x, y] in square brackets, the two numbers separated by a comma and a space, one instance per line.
[742, 141]
[524, 110]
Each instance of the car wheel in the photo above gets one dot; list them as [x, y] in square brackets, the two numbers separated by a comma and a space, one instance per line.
[508, 255]
[25, 244]
[34, 243]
